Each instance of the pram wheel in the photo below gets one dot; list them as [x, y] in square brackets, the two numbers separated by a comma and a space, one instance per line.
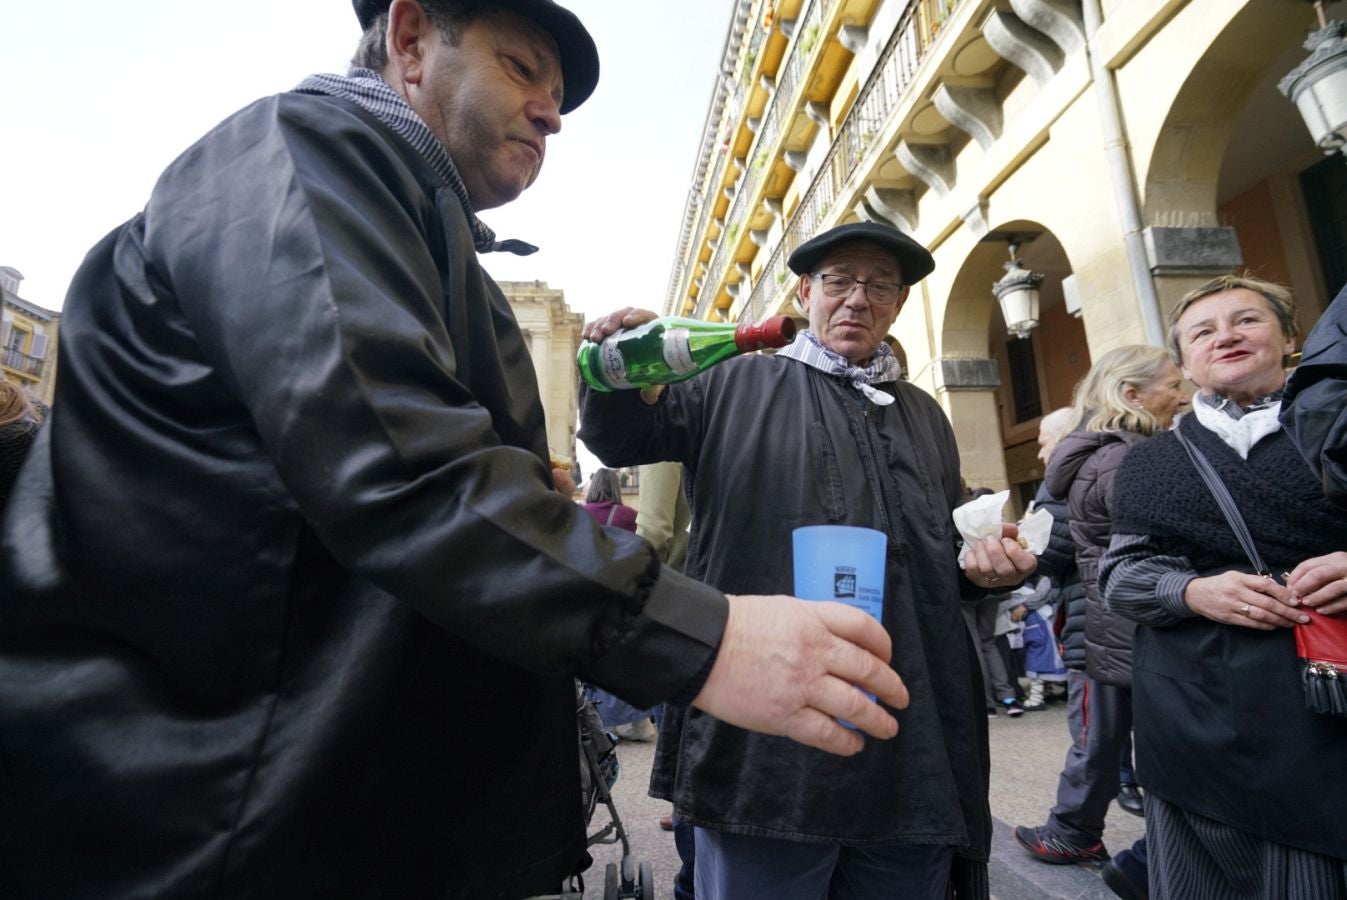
[645, 884]
[612, 883]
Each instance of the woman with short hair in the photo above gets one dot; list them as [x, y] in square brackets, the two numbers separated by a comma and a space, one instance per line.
[1246, 787]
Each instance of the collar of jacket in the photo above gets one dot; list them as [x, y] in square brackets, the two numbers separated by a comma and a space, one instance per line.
[368, 90]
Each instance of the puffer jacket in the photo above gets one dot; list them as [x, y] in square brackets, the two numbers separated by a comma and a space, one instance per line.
[1058, 563]
[1082, 470]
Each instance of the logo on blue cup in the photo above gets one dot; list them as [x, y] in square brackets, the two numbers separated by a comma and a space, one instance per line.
[844, 583]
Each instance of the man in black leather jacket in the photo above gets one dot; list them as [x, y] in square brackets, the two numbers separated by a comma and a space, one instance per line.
[289, 605]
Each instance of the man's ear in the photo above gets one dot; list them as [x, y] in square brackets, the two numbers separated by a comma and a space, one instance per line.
[405, 42]
[805, 287]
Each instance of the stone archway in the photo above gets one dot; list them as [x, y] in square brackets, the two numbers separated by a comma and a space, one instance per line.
[1209, 128]
[996, 387]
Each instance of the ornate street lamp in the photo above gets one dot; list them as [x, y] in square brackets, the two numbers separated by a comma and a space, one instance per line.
[1318, 86]
[1017, 292]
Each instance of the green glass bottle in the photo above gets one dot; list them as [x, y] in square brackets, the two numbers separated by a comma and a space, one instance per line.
[671, 349]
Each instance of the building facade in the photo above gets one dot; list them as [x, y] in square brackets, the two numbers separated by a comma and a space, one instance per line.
[1130, 149]
[552, 333]
[28, 339]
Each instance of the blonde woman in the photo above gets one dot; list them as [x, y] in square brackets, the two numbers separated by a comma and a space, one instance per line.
[1128, 395]
[19, 419]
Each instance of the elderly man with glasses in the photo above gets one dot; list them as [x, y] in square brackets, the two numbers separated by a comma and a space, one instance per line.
[825, 432]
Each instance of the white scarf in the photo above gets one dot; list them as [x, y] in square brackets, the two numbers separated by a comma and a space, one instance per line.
[1239, 434]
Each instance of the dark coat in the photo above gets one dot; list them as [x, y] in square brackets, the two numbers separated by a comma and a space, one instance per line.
[1314, 407]
[1082, 469]
[1058, 563]
[290, 607]
[1221, 724]
[770, 444]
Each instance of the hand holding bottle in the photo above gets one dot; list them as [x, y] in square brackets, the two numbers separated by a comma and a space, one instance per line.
[626, 317]
[635, 349]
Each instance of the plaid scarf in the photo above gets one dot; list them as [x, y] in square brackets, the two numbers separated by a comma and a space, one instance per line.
[883, 366]
[367, 89]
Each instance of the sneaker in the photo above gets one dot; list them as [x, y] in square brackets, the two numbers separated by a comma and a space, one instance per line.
[1047, 847]
[991, 712]
[1012, 708]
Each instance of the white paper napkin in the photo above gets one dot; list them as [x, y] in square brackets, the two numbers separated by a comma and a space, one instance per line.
[982, 518]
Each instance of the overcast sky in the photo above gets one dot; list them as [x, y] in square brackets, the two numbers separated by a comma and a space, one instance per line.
[98, 97]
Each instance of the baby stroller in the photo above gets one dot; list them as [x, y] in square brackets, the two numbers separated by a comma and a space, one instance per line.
[632, 879]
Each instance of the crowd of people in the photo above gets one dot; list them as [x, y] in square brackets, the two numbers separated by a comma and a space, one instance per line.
[301, 611]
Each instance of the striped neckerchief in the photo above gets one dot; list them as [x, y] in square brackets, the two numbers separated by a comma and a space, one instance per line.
[807, 348]
[367, 89]
[1240, 427]
[1233, 409]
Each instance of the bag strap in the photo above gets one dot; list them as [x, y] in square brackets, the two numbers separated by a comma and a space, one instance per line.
[1223, 499]
[612, 511]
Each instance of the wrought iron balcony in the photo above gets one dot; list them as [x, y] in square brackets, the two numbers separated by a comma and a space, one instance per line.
[22, 363]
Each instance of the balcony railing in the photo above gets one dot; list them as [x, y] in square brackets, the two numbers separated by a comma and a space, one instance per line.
[873, 110]
[22, 363]
[764, 144]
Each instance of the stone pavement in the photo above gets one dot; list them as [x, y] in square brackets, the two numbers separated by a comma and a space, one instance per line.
[1027, 755]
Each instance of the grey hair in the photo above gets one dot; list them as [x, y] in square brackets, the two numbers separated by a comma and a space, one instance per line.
[1054, 423]
[1277, 296]
[451, 16]
[604, 486]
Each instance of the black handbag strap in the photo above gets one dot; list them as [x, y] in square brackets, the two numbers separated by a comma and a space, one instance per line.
[1223, 500]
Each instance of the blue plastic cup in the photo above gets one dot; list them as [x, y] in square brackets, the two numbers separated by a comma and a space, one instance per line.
[841, 563]
[844, 564]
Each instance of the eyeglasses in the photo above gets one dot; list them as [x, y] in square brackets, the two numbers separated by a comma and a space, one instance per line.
[880, 293]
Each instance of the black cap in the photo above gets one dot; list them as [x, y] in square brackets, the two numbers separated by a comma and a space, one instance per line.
[579, 56]
[915, 260]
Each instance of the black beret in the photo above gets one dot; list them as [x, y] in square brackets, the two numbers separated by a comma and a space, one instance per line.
[915, 260]
[579, 56]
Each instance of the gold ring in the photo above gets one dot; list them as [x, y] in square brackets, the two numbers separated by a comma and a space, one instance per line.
[992, 579]
[1245, 611]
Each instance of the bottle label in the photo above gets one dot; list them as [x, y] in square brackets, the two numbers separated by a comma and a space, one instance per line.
[614, 368]
[678, 352]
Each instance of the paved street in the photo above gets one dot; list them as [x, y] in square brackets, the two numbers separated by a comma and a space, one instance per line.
[1027, 754]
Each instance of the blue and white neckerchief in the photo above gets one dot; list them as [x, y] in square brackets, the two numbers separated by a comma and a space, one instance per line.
[807, 348]
[1239, 427]
[367, 89]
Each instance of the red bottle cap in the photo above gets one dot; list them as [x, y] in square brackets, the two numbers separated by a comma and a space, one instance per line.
[777, 331]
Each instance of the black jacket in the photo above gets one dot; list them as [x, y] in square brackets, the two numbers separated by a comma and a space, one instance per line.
[1314, 407]
[289, 606]
[770, 444]
[1082, 469]
[1221, 724]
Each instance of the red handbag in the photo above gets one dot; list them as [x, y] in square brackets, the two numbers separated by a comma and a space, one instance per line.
[1321, 645]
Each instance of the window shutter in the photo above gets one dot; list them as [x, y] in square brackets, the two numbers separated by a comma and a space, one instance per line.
[5, 328]
[38, 350]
